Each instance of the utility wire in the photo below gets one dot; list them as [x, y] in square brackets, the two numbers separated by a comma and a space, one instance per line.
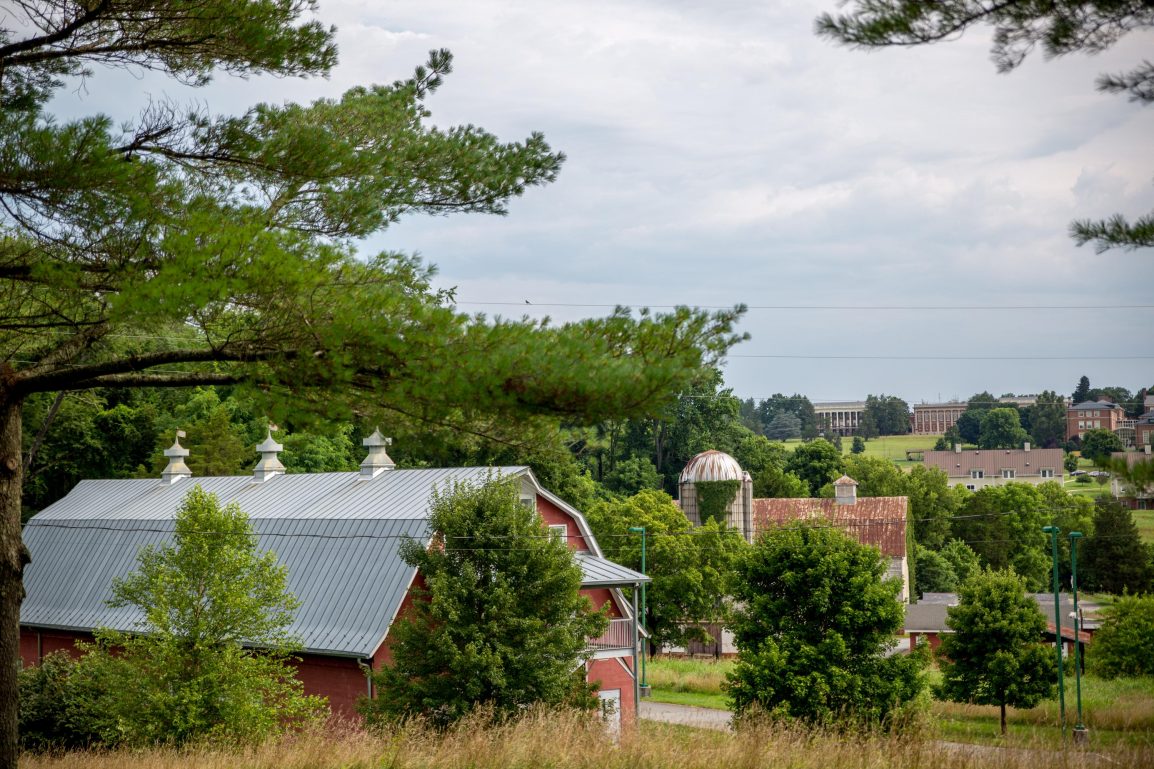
[525, 303]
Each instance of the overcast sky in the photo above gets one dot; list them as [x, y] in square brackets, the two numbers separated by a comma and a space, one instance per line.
[720, 153]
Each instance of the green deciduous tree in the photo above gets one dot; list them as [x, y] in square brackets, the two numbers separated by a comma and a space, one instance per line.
[963, 561]
[797, 405]
[632, 475]
[1001, 429]
[1124, 642]
[1003, 524]
[1114, 558]
[876, 477]
[933, 503]
[1059, 28]
[1099, 444]
[889, 414]
[210, 655]
[191, 249]
[816, 463]
[816, 616]
[933, 573]
[969, 425]
[498, 620]
[995, 656]
[690, 573]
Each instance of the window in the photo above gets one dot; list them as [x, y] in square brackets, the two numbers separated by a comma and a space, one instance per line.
[1047, 472]
[971, 487]
[977, 474]
[559, 531]
[1007, 473]
[1081, 425]
[1097, 423]
[529, 502]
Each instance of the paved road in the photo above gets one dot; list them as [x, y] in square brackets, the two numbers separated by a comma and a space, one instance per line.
[685, 714]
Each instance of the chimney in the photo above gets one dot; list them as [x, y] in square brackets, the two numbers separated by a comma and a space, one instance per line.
[176, 469]
[378, 458]
[845, 491]
[1026, 446]
[269, 465]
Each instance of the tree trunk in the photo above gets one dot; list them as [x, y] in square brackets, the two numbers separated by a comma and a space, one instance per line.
[13, 558]
[1003, 719]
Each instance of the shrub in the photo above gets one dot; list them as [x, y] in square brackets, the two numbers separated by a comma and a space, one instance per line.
[1124, 645]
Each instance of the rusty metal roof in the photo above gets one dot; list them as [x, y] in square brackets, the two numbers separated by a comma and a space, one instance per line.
[711, 465]
[877, 521]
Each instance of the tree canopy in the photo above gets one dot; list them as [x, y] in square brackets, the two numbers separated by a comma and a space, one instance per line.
[995, 656]
[1124, 643]
[497, 618]
[690, 572]
[816, 614]
[1059, 28]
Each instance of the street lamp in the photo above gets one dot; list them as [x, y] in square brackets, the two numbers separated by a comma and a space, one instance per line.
[1080, 731]
[1053, 531]
[644, 644]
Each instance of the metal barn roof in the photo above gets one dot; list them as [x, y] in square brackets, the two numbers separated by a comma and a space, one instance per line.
[338, 532]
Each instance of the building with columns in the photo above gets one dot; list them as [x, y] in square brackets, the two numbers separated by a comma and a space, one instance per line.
[841, 417]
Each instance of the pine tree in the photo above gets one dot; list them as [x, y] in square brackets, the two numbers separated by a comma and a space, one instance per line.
[1114, 558]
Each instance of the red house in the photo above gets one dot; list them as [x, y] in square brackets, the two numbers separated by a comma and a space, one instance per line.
[338, 534]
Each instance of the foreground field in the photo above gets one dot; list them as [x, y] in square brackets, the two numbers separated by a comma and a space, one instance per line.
[1119, 712]
[567, 740]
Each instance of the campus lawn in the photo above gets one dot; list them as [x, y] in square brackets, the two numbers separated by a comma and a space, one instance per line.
[892, 447]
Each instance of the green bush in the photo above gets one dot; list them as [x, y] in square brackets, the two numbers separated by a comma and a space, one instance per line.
[59, 705]
[1124, 645]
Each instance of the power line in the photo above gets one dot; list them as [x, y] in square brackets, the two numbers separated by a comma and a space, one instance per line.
[1011, 358]
[525, 303]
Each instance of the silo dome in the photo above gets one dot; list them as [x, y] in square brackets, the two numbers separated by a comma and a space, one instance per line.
[711, 465]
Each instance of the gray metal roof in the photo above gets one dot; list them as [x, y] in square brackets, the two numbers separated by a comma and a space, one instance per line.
[599, 572]
[338, 533]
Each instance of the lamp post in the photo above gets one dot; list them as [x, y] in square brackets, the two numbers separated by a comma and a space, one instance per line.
[644, 608]
[1053, 531]
[1081, 733]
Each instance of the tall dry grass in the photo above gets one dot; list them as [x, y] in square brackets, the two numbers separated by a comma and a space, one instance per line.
[572, 741]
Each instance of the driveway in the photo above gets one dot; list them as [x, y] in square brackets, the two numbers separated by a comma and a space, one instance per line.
[687, 715]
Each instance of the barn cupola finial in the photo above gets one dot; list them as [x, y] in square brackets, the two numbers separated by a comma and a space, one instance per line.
[378, 458]
[176, 469]
[269, 465]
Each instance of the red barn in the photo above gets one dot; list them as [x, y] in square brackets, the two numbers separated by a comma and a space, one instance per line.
[338, 534]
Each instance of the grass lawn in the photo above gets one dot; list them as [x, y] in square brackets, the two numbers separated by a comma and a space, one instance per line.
[1118, 712]
[1145, 521]
[892, 447]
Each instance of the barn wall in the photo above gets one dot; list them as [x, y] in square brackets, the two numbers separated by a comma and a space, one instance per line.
[340, 679]
[609, 674]
[35, 644]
